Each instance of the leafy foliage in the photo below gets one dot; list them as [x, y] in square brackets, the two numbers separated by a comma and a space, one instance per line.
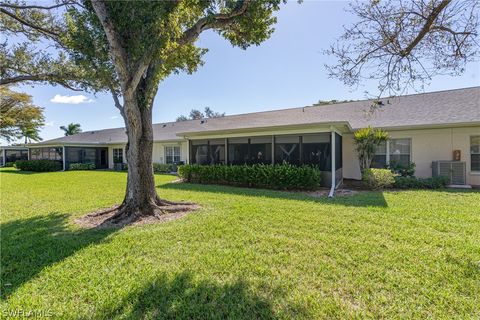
[38, 165]
[416, 183]
[378, 178]
[197, 114]
[366, 142]
[284, 176]
[71, 129]
[18, 116]
[162, 167]
[402, 170]
[82, 166]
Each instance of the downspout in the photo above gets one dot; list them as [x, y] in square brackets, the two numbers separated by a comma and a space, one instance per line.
[332, 147]
[63, 156]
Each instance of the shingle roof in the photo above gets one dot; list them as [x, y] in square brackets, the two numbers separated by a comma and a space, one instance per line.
[451, 107]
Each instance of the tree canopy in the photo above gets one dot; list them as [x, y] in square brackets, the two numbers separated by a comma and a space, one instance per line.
[19, 117]
[403, 44]
[126, 48]
[71, 129]
[196, 114]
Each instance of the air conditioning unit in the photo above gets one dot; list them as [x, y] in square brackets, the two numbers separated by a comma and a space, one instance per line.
[456, 171]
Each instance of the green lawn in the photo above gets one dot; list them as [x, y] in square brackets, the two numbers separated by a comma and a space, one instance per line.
[247, 254]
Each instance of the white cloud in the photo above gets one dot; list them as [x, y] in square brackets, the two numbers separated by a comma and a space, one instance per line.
[114, 117]
[50, 123]
[71, 99]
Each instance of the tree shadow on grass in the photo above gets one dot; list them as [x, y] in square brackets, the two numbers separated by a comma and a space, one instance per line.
[362, 199]
[29, 245]
[183, 298]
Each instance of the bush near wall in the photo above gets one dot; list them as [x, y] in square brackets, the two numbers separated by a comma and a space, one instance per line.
[82, 166]
[9, 164]
[38, 165]
[415, 183]
[281, 177]
[162, 168]
[378, 178]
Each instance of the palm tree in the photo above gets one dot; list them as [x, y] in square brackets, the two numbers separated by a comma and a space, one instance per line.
[71, 129]
[31, 134]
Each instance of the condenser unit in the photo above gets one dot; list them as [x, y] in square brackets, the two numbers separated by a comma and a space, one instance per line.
[456, 171]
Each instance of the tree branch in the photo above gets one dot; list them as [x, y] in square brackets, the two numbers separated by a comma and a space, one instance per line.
[116, 49]
[426, 27]
[212, 22]
[48, 33]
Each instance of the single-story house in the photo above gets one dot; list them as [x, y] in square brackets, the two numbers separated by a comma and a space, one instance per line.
[438, 131]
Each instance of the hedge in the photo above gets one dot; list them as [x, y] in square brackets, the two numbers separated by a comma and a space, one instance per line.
[378, 178]
[38, 165]
[82, 166]
[282, 177]
[415, 183]
[162, 167]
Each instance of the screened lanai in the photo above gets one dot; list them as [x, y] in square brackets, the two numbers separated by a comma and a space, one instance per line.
[297, 149]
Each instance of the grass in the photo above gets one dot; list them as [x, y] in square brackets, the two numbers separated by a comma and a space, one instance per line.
[247, 254]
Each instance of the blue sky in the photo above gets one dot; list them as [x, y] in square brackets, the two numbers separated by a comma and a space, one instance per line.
[285, 71]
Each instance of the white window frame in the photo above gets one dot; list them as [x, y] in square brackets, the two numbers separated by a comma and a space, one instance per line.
[173, 154]
[471, 153]
[387, 150]
[121, 152]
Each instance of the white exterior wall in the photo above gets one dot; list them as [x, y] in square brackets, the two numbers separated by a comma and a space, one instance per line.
[159, 150]
[427, 145]
[110, 154]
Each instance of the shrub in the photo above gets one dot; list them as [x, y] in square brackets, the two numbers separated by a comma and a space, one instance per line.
[366, 142]
[282, 177]
[402, 170]
[9, 164]
[378, 178]
[38, 165]
[82, 166]
[163, 168]
[414, 183]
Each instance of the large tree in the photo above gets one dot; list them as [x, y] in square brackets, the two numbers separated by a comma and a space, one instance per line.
[403, 44]
[127, 48]
[19, 117]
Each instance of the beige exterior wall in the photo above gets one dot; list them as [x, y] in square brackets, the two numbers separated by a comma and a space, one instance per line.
[427, 145]
[158, 151]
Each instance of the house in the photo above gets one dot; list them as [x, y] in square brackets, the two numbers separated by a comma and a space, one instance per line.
[424, 128]
[12, 153]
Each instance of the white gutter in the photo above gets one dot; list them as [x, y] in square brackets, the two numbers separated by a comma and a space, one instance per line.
[332, 147]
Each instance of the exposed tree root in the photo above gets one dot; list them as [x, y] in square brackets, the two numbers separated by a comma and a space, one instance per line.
[119, 216]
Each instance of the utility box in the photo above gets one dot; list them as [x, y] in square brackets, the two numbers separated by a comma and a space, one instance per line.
[456, 171]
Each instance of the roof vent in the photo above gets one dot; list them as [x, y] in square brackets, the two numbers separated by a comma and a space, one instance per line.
[203, 121]
[92, 132]
[164, 125]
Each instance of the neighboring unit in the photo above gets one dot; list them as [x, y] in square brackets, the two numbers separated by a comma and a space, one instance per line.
[424, 128]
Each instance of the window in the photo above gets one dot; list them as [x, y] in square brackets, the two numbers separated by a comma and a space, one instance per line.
[475, 153]
[316, 150]
[46, 153]
[118, 155]
[380, 158]
[399, 151]
[238, 151]
[261, 150]
[287, 148]
[217, 151]
[396, 151]
[199, 152]
[172, 154]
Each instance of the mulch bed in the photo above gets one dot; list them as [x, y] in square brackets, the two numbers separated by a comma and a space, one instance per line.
[99, 219]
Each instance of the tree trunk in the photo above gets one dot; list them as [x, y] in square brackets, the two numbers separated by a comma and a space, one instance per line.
[141, 199]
